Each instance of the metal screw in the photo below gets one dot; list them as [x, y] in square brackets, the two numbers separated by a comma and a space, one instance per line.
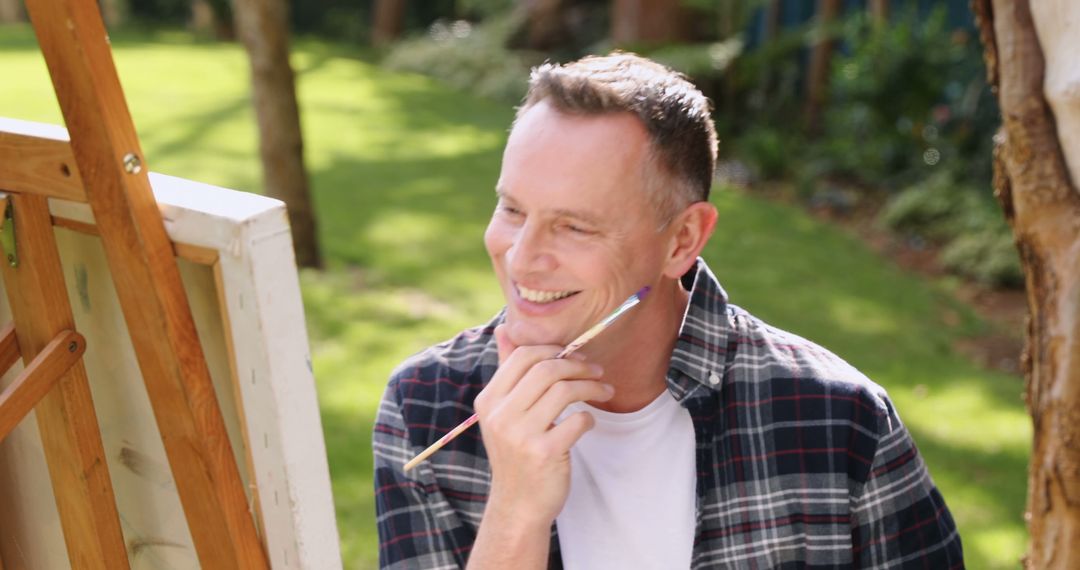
[132, 164]
[73, 346]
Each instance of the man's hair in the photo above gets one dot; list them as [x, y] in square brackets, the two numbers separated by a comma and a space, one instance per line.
[682, 150]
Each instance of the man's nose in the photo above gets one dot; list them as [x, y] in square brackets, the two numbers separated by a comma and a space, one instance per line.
[530, 251]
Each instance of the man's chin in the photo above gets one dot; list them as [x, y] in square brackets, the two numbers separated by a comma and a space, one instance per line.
[523, 333]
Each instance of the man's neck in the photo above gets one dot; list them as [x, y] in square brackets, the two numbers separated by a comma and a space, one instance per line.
[636, 358]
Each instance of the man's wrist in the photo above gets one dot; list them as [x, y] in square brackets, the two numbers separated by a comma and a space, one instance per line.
[514, 519]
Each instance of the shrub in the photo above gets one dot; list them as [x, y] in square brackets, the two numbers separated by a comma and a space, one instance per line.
[988, 257]
[977, 243]
[907, 100]
[469, 57]
[768, 151]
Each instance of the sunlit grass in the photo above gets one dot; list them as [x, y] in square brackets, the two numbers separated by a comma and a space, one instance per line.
[403, 173]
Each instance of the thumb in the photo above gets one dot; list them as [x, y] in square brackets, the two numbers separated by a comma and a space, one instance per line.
[502, 340]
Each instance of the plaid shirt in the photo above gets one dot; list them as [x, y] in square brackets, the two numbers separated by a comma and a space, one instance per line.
[802, 462]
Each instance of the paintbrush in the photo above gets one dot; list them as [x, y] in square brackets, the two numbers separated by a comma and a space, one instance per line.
[570, 348]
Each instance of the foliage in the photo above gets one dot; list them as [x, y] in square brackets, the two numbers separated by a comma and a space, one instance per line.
[469, 57]
[160, 11]
[988, 256]
[977, 242]
[906, 100]
[481, 9]
[700, 61]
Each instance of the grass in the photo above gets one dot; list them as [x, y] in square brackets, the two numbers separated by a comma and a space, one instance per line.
[403, 171]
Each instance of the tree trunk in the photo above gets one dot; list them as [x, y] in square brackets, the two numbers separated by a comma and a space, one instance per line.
[545, 28]
[879, 11]
[1032, 181]
[648, 21]
[112, 12]
[388, 21]
[263, 28]
[11, 12]
[213, 17]
[817, 76]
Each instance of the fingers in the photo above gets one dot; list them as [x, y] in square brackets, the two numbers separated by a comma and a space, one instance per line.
[560, 395]
[511, 368]
[563, 436]
[542, 377]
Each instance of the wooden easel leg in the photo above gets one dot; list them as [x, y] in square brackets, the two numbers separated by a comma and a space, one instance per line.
[66, 418]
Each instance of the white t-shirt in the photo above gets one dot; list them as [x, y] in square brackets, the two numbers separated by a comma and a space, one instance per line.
[632, 495]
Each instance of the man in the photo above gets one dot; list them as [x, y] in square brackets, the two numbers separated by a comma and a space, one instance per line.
[688, 435]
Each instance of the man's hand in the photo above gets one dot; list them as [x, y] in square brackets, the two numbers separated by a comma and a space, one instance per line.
[529, 456]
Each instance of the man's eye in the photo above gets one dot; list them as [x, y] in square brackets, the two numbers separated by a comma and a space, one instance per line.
[578, 229]
[510, 210]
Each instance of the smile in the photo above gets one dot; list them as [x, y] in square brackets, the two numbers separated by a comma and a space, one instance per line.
[541, 297]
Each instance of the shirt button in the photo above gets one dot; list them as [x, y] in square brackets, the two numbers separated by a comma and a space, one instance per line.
[713, 378]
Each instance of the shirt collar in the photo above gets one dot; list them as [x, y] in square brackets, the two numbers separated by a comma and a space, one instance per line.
[702, 349]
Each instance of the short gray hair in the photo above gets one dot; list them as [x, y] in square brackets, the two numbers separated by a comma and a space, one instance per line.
[676, 115]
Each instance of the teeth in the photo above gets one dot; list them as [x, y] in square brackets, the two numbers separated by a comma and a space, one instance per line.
[537, 296]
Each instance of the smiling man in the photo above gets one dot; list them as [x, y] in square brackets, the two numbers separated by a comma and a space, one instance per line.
[688, 435]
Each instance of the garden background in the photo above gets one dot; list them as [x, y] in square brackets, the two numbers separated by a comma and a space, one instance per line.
[862, 219]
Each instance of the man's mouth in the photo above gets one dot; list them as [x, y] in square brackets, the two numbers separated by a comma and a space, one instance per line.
[541, 297]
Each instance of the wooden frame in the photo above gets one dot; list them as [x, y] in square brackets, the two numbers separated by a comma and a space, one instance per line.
[112, 198]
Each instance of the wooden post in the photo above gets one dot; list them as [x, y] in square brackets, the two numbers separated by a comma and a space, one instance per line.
[75, 45]
[66, 417]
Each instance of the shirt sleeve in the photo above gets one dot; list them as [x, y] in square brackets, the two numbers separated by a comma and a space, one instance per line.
[898, 513]
[408, 506]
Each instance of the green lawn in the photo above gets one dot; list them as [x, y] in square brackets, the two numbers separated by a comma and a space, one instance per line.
[403, 173]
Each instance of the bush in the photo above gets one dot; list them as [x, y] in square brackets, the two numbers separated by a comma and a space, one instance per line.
[768, 151]
[932, 209]
[907, 100]
[988, 257]
[977, 242]
[467, 57]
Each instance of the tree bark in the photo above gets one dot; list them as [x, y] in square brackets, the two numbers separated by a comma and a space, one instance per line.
[1034, 155]
[388, 21]
[879, 11]
[11, 11]
[817, 76]
[213, 16]
[648, 21]
[112, 12]
[263, 28]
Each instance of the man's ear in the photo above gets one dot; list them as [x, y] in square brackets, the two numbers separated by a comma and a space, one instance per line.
[688, 233]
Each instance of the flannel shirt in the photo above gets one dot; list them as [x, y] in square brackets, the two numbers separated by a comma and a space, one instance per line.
[802, 462]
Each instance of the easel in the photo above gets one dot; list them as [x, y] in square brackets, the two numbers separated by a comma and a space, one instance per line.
[104, 167]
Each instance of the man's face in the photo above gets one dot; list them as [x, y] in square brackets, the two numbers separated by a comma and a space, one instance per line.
[574, 233]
